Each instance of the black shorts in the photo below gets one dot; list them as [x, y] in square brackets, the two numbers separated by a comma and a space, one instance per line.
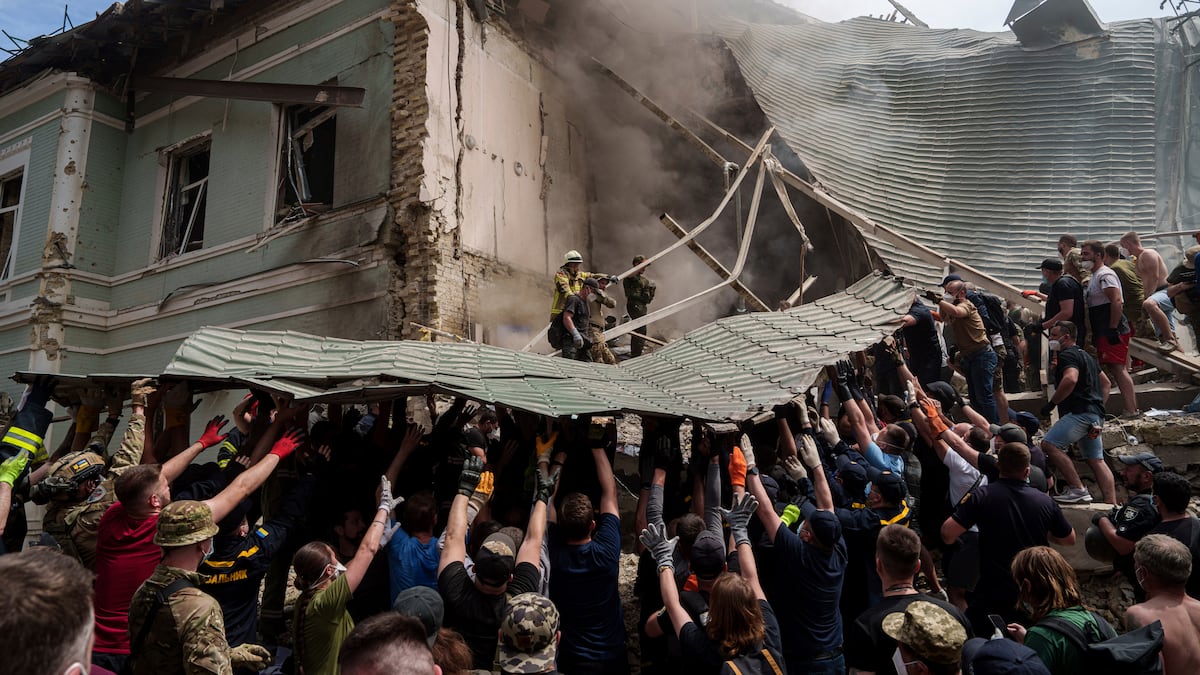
[960, 562]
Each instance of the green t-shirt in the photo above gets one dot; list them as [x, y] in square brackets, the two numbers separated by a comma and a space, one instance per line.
[326, 625]
[1055, 649]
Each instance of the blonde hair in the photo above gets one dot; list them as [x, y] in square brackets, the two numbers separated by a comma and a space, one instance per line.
[1051, 581]
[735, 620]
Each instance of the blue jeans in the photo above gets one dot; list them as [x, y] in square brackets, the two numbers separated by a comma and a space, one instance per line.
[980, 369]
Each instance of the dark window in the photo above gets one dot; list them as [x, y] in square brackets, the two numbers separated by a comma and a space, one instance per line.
[187, 194]
[10, 204]
[306, 175]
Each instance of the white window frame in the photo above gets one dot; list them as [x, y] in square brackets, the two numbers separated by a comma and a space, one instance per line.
[13, 159]
[166, 157]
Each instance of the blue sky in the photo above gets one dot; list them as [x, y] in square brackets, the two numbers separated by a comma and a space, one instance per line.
[26, 19]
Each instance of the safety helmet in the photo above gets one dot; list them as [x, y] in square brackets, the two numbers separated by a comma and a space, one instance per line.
[78, 467]
[1098, 546]
[572, 257]
[184, 522]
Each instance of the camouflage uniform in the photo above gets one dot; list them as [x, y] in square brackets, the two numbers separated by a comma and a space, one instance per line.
[929, 631]
[528, 628]
[639, 292]
[74, 525]
[595, 331]
[188, 632]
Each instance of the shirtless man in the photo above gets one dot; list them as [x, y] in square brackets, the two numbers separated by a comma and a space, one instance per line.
[1162, 566]
[1158, 305]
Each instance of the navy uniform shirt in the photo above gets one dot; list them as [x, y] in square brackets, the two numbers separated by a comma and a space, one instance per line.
[1134, 520]
[809, 597]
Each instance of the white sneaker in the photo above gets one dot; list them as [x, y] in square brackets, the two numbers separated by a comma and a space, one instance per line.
[1074, 495]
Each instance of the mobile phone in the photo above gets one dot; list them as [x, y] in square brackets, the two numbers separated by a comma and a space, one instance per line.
[1000, 624]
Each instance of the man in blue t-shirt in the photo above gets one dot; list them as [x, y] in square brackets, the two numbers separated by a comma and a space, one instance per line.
[412, 552]
[585, 554]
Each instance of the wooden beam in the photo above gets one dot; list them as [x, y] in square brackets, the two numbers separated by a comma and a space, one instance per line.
[1173, 362]
[908, 14]
[714, 264]
[1167, 235]
[661, 114]
[255, 91]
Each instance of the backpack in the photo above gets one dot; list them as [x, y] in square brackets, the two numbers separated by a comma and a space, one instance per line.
[1103, 651]
[994, 322]
[754, 663]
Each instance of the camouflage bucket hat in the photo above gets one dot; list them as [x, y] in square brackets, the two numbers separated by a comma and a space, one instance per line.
[185, 522]
[527, 634]
[928, 630]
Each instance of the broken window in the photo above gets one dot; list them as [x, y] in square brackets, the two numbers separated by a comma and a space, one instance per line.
[306, 161]
[186, 196]
[10, 204]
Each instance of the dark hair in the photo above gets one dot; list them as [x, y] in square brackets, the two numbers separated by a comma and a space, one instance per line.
[420, 512]
[1173, 490]
[1013, 460]
[1112, 251]
[488, 415]
[1068, 239]
[388, 638]
[575, 516]
[894, 405]
[451, 652]
[49, 620]
[979, 439]
[687, 527]
[136, 484]
[1069, 328]
[899, 551]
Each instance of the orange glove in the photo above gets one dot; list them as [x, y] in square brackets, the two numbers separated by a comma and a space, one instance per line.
[737, 468]
[936, 426]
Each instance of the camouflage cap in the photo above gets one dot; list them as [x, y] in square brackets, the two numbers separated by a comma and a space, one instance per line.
[78, 466]
[528, 634]
[928, 630]
[184, 522]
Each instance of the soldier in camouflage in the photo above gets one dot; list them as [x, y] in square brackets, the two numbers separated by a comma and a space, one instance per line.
[79, 489]
[639, 292]
[528, 635]
[926, 634]
[596, 320]
[174, 626]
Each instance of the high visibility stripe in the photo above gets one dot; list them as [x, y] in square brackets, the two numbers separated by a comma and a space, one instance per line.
[221, 564]
[32, 437]
[22, 444]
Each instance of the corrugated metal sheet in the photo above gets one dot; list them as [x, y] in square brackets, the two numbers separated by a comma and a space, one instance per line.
[963, 141]
[729, 369]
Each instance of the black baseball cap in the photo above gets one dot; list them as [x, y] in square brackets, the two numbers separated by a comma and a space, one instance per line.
[1052, 264]
[708, 556]
[824, 525]
[949, 278]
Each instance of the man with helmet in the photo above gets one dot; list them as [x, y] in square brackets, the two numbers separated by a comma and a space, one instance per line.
[79, 489]
[567, 281]
[174, 626]
[21, 446]
[639, 292]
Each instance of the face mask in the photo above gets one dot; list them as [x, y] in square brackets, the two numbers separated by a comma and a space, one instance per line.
[494, 434]
[211, 547]
[1054, 346]
[898, 662]
[1123, 251]
[75, 669]
[1045, 280]
[947, 297]
[338, 570]
[1088, 265]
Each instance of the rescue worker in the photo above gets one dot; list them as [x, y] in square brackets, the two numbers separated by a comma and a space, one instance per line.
[79, 489]
[24, 438]
[597, 323]
[567, 280]
[639, 292]
[174, 626]
[567, 325]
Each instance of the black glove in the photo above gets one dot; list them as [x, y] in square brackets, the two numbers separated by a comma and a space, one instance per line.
[545, 486]
[1097, 516]
[469, 478]
[41, 389]
[841, 388]
[1047, 409]
[933, 296]
[1113, 337]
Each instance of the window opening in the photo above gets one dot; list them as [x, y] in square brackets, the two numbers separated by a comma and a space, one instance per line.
[307, 160]
[187, 195]
[10, 204]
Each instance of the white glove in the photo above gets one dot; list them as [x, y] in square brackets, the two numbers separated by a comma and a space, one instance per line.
[802, 411]
[748, 451]
[808, 452]
[577, 338]
[389, 529]
[386, 503]
[828, 430]
[794, 468]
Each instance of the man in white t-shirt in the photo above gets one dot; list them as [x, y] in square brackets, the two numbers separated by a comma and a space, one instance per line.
[1110, 329]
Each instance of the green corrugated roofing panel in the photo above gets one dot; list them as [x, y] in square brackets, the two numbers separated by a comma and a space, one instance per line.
[730, 369]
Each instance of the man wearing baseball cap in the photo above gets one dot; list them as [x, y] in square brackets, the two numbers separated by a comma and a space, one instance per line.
[927, 637]
[175, 627]
[1124, 525]
[529, 635]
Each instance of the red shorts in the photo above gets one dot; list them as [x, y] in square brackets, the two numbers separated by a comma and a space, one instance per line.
[1110, 353]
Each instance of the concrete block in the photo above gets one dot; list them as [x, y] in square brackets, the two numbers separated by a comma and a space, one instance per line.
[1080, 517]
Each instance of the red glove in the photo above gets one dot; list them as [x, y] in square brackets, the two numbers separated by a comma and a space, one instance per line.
[737, 468]
[212, 432]
[1028, 294]
[288, 443]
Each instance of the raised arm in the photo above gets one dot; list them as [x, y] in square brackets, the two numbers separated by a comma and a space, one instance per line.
[739, 523]
[767, 516]
[608, 483]
[454, 548]
[356, 567]
[412, 438]
[251, 479]
[712, 496]
[173, 468]
[531, 546]
[662, 549]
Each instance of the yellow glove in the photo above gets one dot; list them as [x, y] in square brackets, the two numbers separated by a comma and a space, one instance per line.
[545, 446]
[12, 467]
[250, 656]
[483, 491]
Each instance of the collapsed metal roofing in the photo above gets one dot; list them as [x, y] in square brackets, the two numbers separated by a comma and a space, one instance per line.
[974, 146]
[730, 369]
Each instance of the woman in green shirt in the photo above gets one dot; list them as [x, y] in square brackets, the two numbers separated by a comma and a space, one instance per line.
[322, 622]
[1049, 588]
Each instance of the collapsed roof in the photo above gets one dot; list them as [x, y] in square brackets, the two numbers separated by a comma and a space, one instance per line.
[977, 147]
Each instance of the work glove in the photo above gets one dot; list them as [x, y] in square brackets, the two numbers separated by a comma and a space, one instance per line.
[545, 446]
[389, 531]
[212, 432]
[802, 412]
[739, 516]
[11, 468]
[662, 455]
[469, 478]
[386, 502]
[737, 468]
[828, 431]
[1047, 409]
[483, 491]
[252, 657]
[41, 389]
[140, 391]
[654, 538]
[545, 486]
[748, 452]
[808, 453]
[577, 338]
[932, 296]
[841, 387]
[287, 444]
[936, 426]
[790, 515]
[794, 468]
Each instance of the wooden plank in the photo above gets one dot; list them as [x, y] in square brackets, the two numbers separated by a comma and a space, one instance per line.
[714, 264]
[1167, 235]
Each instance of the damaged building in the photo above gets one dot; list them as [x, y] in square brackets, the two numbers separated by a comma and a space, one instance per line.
[373, 169]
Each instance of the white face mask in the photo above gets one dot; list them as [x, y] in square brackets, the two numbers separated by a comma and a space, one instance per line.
[1124, 252]
[1054, 346]
[948, 297]
[898, 662]
[76, 668]
[1087, 265]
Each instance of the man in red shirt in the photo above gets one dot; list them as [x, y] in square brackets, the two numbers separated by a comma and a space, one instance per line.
[126, 554]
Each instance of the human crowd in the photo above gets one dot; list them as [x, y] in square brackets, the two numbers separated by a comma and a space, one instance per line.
[879, 523]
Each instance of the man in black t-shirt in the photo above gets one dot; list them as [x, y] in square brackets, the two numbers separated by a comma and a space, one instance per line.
[897, 559]
[1011, 516]
[1172, 492]
[474, 608]
[570, 324]
[1124, 525]
[1064, 302]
